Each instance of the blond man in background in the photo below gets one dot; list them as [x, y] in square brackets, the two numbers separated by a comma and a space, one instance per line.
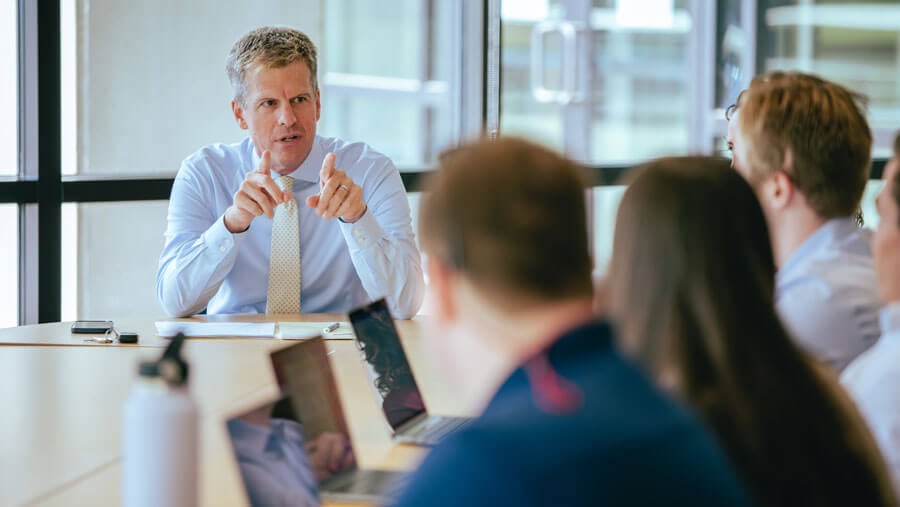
[805, 146]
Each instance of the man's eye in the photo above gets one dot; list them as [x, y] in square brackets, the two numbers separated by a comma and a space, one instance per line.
[299, 99]
[268, 103]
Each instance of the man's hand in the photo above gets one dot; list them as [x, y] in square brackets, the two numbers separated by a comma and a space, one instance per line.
[339, 196]
[258, 195]
[329, 454]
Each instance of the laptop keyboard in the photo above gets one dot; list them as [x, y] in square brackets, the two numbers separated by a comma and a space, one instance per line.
[435, 429]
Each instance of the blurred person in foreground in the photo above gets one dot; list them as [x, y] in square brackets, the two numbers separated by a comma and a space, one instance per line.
[873, 379]
[572, 423]
[691, 284]
[804, 145]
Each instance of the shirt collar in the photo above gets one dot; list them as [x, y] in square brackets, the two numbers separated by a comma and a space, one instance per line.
[249, 437]
[584, 341]
[308, 170]
[258, 439]
[828, 233]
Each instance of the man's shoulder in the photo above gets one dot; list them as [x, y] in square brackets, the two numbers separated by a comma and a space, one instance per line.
[353, 152]
[835, 267]
[220, 155]
[607, 458]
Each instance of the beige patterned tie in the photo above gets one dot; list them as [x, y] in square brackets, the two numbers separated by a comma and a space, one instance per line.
[284, 264]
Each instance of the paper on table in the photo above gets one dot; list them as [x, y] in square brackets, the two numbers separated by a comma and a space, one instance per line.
[283, 330]
[301, 330]
[169, 328]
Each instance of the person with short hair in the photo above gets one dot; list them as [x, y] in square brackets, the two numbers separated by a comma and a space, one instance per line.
[571, 422]
[805, 146]
[691, 285]
[355, 235]
[873, 379]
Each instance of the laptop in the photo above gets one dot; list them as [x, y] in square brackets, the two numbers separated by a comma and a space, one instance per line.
[393, 381]
[308, 431]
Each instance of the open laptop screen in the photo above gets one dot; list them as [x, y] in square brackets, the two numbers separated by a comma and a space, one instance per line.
[279, 464]
[388, 368]
[288, 448]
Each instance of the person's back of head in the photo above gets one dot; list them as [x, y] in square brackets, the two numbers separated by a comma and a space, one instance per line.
[510, 217]
[685, 226]
[813, 130]
[504, 225]
[691, 291]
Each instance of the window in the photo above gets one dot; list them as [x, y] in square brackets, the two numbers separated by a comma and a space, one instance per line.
[602, 81]
[144, 86]
[394, 83]
[9, 163]
[855, 45]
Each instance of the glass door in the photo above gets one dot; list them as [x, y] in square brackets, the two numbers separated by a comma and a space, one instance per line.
[609, 83]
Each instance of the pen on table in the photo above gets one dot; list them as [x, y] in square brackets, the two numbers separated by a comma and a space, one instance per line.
[331, 327]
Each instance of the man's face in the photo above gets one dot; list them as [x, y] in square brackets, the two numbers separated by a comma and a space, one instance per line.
[280, 110]
[738, 146]
[886, 240]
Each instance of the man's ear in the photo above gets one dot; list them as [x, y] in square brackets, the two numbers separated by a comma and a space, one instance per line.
[440, 280]
[779, 190]
[318, 105]
[238, 112]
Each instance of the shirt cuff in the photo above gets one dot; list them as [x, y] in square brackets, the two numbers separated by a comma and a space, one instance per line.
[890, 318]
[363, 233]
[219, 239]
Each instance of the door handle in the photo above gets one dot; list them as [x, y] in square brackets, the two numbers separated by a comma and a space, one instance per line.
[569, 91]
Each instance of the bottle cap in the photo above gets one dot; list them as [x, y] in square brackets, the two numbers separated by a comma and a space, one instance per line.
[171, 367]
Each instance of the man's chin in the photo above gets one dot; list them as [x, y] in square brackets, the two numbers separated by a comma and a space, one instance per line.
[286, 165]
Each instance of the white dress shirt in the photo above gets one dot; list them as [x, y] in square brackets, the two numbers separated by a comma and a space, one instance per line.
[343, 266]
[873, 381]
[827, 293]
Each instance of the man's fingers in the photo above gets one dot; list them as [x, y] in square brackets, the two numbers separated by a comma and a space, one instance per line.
[312, 201]
[265, 163]
[332, 195]
[327, 169]
[340, 196]
[337, 454]
[352, 205]
[261, 198]
[244, 203]
[268, 185]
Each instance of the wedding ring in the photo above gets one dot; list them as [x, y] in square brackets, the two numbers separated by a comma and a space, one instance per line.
[345, 187]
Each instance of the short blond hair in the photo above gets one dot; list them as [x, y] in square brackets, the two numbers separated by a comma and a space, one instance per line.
[815, 131]
[271, 47]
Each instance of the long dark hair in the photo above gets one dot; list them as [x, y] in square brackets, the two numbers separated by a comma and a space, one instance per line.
[692, 291]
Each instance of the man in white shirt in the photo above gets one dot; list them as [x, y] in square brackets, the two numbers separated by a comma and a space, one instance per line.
[356, 242]
[873, 379]
[805, 146]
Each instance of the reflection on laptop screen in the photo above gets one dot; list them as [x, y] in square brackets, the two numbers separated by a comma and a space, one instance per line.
[377, 338]
[279, 465]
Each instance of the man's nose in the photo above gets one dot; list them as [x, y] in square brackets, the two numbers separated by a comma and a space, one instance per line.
[286, 115]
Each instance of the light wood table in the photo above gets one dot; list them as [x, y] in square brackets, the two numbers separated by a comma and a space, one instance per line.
[60, 432]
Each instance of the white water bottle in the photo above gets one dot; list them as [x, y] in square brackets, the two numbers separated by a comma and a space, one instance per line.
[160, 435]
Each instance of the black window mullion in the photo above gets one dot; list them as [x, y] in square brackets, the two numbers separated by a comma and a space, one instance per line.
[49, 188]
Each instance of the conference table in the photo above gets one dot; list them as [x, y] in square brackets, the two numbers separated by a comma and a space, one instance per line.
[62, 400]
